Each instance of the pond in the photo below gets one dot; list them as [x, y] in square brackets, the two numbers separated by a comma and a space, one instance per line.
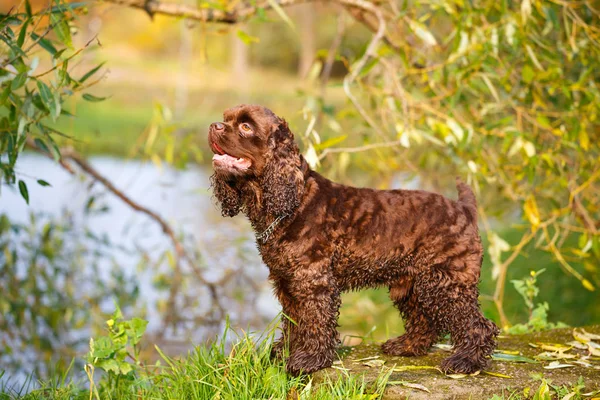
[182, 198]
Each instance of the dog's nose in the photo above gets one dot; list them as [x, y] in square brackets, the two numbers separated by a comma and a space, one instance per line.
[217, 126]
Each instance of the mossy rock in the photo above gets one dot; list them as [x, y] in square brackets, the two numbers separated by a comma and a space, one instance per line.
[522, 375]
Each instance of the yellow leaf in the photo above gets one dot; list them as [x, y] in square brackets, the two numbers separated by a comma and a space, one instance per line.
[156, 160]
[497, 374]
[403, 368]
[588, 285]
[531, 212]
[584, 140]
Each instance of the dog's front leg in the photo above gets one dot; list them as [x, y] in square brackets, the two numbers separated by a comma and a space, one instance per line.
[313, 310]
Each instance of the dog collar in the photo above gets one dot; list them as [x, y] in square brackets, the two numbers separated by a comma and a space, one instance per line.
[263, 237]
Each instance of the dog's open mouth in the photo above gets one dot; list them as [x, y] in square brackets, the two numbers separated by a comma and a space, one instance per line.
[222, 159]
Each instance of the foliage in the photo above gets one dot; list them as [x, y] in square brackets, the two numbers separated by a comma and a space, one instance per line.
[218, 371]
[504, 92]
[111, 352]
[35, 79]
[49, 301]
[538, 313]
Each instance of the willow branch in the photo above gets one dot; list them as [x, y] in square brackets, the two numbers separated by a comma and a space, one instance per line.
[70, 157]
[200, 14]
[371, 52]
[356, 8]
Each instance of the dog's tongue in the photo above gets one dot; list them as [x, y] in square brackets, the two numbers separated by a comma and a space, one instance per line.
[229, 161]
[219, 149]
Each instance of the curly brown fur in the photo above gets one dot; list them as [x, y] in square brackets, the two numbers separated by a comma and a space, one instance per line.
[331, 238]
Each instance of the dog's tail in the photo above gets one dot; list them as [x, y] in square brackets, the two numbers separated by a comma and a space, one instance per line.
[466, 198]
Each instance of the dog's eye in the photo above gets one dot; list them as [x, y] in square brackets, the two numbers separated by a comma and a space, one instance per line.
[245, 128]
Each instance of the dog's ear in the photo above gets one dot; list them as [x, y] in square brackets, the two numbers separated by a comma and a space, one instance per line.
[282, 182]
[229, 197]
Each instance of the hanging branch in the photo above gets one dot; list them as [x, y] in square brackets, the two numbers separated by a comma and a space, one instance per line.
[70, 157]
[362, 11]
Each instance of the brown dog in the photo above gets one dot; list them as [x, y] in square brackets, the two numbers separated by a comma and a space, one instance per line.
[320, 238]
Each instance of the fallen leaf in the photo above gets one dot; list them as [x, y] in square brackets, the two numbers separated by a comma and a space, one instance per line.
[547, 356]
[443, 346]
[594, 351]
[583, 363]
[511, 352]
[461, 376]
[410, 385]
[457, 376]
[414, 367]
[497, 374]
[340, 368]
[557, 365]
[583, 336]
[592, 336]
[366, 358]
[553, 346]
[374, 363]
[577, 345]
[512, 358]
[590, 394]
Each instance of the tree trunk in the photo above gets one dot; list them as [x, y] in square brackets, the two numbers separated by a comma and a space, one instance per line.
[240, 62]
[306, 24]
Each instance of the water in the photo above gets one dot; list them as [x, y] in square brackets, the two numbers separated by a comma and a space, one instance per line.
[182, 198]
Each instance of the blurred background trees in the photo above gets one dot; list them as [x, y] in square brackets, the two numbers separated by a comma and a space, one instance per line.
[387, 94]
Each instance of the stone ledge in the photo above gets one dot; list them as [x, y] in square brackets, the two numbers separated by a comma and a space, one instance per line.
[482, 386]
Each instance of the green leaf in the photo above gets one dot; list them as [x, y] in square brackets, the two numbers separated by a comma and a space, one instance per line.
[275, 6]
[527, 74]
[23, 190]
[5, 94]
[61, 8]
[512, 358]
[109, 365]
[42, 182]
[44, 43]
[47, 98]
[92, 98]
[22, 33]
[137, 329]
[18, 81]
[422, 32]
[330, 142]
[91, 72]
[28, 8]
[103, 347]
[247, 39]
[61, 28]
[59, 53]
[125, 367]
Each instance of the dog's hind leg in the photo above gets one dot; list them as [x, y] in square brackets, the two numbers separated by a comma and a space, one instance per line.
[454, 308]
[420, 332]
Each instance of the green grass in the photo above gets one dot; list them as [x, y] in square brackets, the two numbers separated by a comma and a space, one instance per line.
[216, 371]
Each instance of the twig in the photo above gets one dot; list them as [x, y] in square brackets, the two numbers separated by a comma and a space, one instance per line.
[358, 148]
[335, 44]
[68, 154]
[200, 14]
[371, 52]
[66, 59]
[501, 282]
[355, 8]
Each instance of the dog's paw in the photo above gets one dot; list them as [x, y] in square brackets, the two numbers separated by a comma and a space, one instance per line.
[301, 362]
[400, 346]
[461, 364]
